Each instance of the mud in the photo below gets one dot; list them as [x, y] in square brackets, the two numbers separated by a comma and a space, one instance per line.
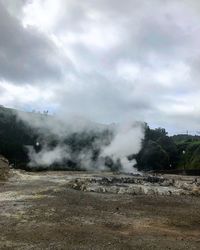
[48, 211]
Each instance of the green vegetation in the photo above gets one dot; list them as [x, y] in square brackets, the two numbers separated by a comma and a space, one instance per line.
[159, 151]
[14, 134]
[191, 158]
[162, 152]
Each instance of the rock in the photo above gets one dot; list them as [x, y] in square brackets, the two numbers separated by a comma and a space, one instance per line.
[197, 181]
[196, 191]
[137, 185]
[4, 168]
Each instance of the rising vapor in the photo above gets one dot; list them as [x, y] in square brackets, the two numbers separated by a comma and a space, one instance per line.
[120, 142]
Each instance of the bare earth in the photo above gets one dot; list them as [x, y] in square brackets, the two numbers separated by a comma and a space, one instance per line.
[40, 211]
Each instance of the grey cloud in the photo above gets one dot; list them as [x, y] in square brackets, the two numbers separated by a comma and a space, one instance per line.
[103, 99]
[14, 7]
[26, 55]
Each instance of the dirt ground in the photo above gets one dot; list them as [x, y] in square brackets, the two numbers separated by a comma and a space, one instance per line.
[39, 211]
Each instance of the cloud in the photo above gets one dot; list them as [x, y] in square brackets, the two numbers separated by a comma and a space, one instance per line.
[26, 54]
[107, 60]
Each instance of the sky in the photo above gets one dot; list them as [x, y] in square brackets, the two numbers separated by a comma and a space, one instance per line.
[106, 60]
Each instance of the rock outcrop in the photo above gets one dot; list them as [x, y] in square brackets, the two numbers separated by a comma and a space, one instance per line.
[4, 168]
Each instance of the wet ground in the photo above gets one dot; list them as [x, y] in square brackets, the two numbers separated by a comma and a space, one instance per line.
[42, 211]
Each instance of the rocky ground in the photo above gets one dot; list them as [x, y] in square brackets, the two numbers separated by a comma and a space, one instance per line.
[74, 210]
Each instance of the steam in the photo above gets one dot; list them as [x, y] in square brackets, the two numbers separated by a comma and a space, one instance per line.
[46, 156]
[126, 142]
[59, 125]
[121, 142]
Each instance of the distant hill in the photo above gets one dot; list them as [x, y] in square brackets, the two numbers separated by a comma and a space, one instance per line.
[185, 137]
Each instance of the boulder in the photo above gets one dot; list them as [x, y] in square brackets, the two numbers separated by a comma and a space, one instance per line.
[4, 168]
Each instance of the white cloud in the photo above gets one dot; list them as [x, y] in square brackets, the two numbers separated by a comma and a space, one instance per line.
[42, 14]
[25, 96]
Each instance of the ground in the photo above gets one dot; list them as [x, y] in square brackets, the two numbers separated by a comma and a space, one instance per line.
[40, 211]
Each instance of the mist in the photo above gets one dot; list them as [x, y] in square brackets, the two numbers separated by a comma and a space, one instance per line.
[47, 156]
[75, 139]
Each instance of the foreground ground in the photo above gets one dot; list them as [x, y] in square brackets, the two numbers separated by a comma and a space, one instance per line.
[40, 211]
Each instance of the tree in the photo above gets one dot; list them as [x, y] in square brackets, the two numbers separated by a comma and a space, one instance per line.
[154, 134]
[170, 147]
[152, 157]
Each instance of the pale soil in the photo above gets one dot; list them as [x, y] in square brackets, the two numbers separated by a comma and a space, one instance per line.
[39, 211]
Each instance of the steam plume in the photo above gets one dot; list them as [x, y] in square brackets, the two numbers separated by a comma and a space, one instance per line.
[126, 142]
[121, 141]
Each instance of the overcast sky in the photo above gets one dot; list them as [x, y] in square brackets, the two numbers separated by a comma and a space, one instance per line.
[108, 60]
